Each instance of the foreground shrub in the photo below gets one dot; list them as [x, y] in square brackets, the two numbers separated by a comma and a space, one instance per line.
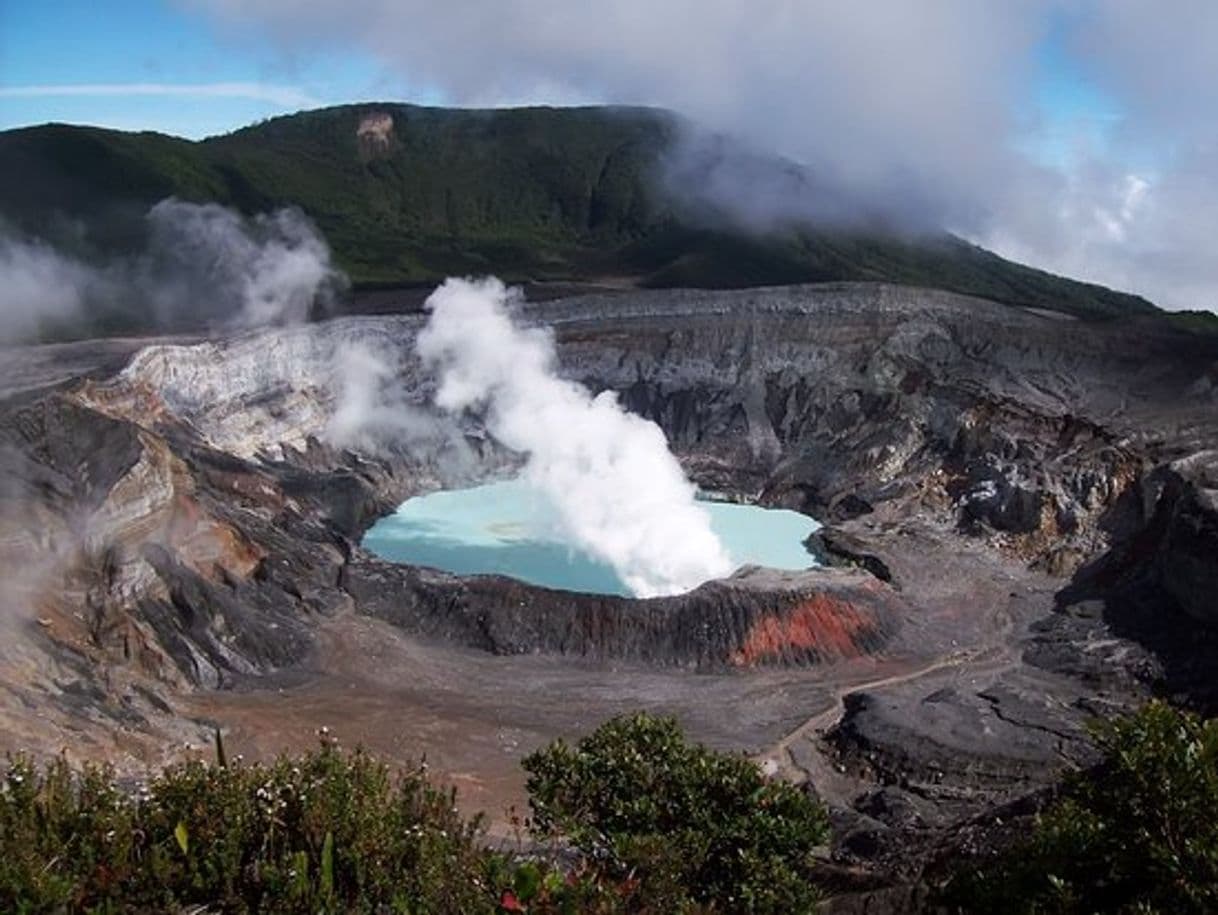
[658, 827]
[693, 827]
[326, 833]
[1138, 834]
[331, 831]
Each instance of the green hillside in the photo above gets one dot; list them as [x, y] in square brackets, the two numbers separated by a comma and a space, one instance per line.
[531, 194]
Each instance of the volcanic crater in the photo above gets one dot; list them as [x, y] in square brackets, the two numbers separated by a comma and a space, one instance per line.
[1021, 526]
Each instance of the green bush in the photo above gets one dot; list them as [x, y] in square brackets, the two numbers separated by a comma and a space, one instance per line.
[659, 826]
[692, 826]
[1137, 834]
[330, 831]
[666, 827]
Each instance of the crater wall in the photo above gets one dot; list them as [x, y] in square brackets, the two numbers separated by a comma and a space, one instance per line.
[206, 522]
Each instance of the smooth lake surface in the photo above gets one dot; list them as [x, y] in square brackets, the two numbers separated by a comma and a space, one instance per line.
[506, 528]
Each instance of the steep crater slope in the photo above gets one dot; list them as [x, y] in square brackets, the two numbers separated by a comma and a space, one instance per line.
[832, 399]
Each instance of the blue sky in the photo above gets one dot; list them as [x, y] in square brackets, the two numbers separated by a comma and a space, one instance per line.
[1071, 114]
[152, 65]
[149, 65]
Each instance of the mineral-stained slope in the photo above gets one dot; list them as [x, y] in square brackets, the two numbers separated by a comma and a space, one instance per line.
[1022, 534]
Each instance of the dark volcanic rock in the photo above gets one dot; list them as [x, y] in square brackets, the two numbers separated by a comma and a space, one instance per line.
[61, 453]
[953, 752]
[1004, 505]
[840, 548]
[757, 617]
[1187, 559]
[213, 630]
[1157, 583]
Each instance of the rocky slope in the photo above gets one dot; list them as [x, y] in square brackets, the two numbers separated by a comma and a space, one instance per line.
[1023, 506]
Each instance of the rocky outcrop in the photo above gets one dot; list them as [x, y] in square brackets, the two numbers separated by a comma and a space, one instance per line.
[967, 750]
[375, 136]
[1187, 558]
[755, 618]
[839, 548]
[1156, 584]
[191, 564]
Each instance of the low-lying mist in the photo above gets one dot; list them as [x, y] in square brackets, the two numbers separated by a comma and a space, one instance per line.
[202, 267]
[618, 491]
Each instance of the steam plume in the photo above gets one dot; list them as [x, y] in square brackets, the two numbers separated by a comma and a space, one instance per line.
[266, 270]
[373, 414]
[619, 492]
[38, 287]
[203, 266]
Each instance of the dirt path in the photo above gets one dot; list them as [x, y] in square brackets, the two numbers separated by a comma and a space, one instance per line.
[815, 764]
[801, 756]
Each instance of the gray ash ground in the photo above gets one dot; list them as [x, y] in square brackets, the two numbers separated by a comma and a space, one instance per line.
[1022, 534]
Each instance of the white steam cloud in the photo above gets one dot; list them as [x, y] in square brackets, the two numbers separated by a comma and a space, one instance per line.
[203, 266]
[372, 413]
[619, 492]
[367, 405]
[266, 270]
[38, 287]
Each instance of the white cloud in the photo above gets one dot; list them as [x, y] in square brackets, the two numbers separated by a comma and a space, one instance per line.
[916, 106]
[1148, 233]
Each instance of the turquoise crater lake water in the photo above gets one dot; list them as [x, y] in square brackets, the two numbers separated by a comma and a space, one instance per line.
[507, 528]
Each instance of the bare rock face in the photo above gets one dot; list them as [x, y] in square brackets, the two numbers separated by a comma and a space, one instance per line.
[375, 135]
[253, 395]
[1187, 561]
[831, 399]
